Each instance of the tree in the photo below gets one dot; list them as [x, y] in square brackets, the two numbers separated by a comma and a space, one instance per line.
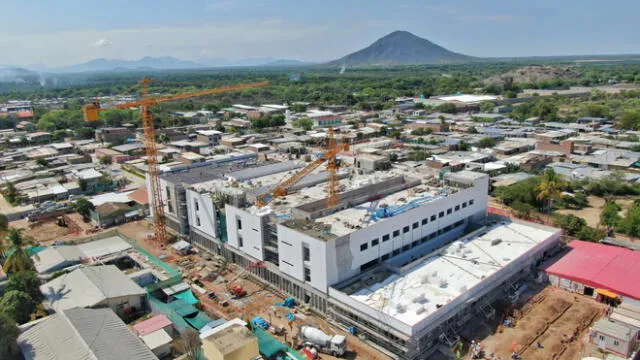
[596, 110]
[106, 160]
[418, 105]
[8, 338]
[11, 194]
[486, 107]
[522, 209]
[189, 343]
[42, 162]
[4, 222]
[85, 133]
[472, 130]
[27, 282]
[487, 142]
[448, 108]
[299, 108]
[571, 223]
[396, 133]
[630, 120]
[17, 305]
[549, 187]
[630, 225]
[304, 122]
[82, 183]
[609, 216]
[463, 146]
[83, 207]
[18, 259]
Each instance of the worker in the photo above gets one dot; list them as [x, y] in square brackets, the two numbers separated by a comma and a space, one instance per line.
[539, 346]
[516, 356]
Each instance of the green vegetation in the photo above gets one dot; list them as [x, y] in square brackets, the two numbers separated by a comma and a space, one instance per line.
[17, 305]
[548, 188]
[83, 207]
[26, 282]
[630, 224]
[487, 142]
[268, 121]
[11, 194]
[4, 222]
[609, 216]
[304, 122]
[8, 338]
[577, 227]
[18, 259]
[106, 160]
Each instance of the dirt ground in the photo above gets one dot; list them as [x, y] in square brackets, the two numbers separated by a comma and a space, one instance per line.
[48, 231]
[556, 319]
[260, 300]
[592, 214]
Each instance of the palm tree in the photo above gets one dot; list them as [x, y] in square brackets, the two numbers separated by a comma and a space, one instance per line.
[17, 259]
[549, 187]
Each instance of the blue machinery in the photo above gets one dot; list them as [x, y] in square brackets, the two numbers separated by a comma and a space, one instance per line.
[390, 211]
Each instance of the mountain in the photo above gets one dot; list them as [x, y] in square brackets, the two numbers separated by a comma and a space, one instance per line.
[401, 48]
[102, 64]
[10, 74]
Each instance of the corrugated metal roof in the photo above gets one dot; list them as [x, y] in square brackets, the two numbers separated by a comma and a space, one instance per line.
[52, 257]
[106, 246]
[82, 334]
[87, 287]
[154, 324]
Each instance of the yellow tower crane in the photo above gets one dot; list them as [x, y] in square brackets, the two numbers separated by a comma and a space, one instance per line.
[91, 113]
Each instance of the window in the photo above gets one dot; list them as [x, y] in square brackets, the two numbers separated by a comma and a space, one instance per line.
[374, 242]
[415, 225]
[457, 207]
[601, 337]
[396, 252]
[170, 207]
[306, 253]
[415, 243]
[307, 274]
[197, 220]
[405, 230]
[240, 241]
[168, 193]
[385, 257]
[449, 211]
[385, 238]
[195, 204]
[616, 342]
[433, 218]
[396, 233]
[239, 224]
[441, 214]
[424, 221]
[406, 247]
[464, 204]
[364, 247]
[471, 202]
[424, 240]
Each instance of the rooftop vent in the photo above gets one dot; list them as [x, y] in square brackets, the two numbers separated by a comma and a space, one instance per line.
[495, 242]
[443, 284]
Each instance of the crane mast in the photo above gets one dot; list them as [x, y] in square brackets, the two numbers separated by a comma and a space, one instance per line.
[91, 113]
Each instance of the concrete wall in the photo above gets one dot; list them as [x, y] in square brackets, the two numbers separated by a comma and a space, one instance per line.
[290, 251]
[250, 238]
[608, 342]
[136, 301]
[204, 211]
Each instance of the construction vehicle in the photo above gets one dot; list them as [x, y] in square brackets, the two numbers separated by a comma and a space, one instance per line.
[92, 111]
[335, 345]
[236, 290]
[329, 156]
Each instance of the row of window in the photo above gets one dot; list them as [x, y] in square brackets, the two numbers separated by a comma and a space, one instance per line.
[416, 224]
[398, 251]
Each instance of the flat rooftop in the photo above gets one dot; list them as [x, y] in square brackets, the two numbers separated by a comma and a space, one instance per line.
[449, 272]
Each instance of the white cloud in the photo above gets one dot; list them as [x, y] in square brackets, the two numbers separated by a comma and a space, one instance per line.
[101, 43]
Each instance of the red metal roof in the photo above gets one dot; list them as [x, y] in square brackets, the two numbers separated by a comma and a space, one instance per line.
[601, 266]
[154, 324]
[25, 114]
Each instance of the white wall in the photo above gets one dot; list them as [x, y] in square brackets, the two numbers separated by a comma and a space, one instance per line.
[251, 232]
[205, 212]
[291, 260]
[387, 226]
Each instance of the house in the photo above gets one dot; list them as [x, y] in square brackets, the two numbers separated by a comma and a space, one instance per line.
[189, 146]
[191, 158]
[93, 287]
[159, 342]
[114, 135]
[211, 137]
[555, 141]
[40, 137]
[131, 148]
[433, 125]
[115, 208]
[91, 178]
[81, 334]
[232, 141]
[234, 342]
[613, 337]
[55, 258]
[25, 126]
[372, 162]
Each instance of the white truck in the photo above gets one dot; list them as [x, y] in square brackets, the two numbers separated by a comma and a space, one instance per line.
[335, 345]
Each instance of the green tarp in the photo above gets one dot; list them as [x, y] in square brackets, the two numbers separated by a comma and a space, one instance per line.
[188, 297]
[199, 321]
[269, 346]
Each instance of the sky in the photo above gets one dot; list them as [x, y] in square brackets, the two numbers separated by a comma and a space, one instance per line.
[66, 32]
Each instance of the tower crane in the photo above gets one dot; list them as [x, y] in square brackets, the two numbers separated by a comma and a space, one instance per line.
[91, 113]
[329, 156]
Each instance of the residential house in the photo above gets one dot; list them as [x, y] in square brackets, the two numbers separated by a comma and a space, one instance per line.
[211, 137]
[114, 135]
[613, 337]
[234, 342]
[81, 334]
[94, 287]
[40, 137]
